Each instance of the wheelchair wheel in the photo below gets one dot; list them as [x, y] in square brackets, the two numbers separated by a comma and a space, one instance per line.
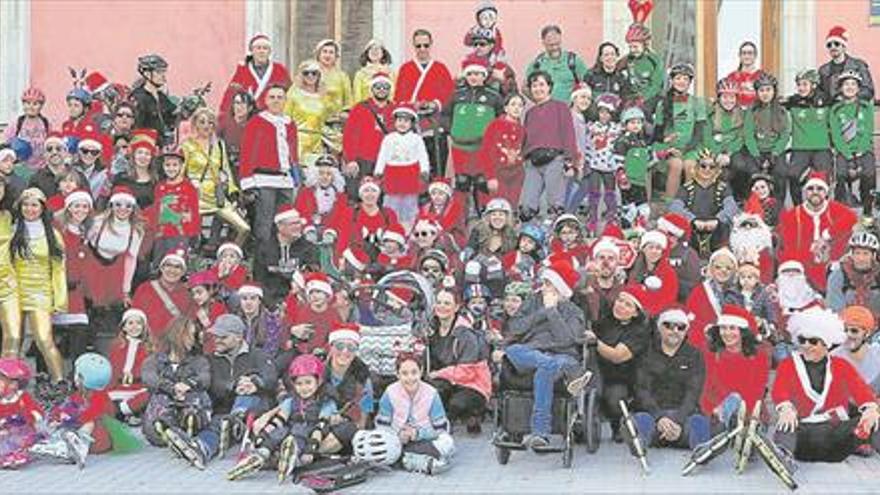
[502, 455]
[592, 422]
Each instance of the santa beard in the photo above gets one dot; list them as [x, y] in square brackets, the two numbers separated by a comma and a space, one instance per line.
[750, 241]
[794, 292]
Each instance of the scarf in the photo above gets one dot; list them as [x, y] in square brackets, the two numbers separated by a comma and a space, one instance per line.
[861, 281]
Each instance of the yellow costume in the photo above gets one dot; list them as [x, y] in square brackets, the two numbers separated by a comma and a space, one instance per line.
[363, 78]
[10, 311]
[206, 168]
[337, 86]
[310, 111]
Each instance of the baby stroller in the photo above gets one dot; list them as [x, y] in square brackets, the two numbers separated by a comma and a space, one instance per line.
[573, 417]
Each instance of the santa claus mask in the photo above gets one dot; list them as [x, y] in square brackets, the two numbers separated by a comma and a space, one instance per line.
[749, 236]
[794, 290]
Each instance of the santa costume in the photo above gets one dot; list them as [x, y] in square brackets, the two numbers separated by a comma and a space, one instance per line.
[402, 163]
[428, 83]
[161, 302]
[323, 322]
[247, 78]
[661, 282]
[500, 156]
[364, 229]
[451, 215]
[367, 124]
[708, 298]
[323, 207]
[127, 356]
[751, 239]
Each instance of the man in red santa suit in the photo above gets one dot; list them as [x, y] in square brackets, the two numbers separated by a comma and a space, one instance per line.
[256, 74]
[367, 124]
[751, 239]
[816, 232]
[826, 410]
[164, 298]
[428, 85]
[268, 156]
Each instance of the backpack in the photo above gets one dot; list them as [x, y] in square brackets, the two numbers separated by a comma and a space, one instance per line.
[570, 61]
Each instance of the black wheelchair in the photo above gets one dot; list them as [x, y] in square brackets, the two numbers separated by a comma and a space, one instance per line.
[576, 418]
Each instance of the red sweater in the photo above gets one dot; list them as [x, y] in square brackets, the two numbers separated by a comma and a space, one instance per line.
[235, 279]
[24, 406]
[502, 133]
[843, 386]
[362, 135]
[324, 322]
[728, 372]
[118, 353]
[262, 162]
[175, 211]
[147, 300]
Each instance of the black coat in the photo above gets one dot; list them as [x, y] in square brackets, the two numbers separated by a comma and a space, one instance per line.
[274, 265]
[227, 370]
[670, 382]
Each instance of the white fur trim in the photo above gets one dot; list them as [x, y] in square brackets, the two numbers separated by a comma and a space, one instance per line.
[123, 197]
[835, 38]
[675, 315]
[319, 285]
[7, 153]
[654, 236]
[475, 68]
[348, 256]
[87, 141]
[77, 196]
[344, 334]
[393, 236]
[291, 214]
[232, 246]
[653, 283]
[369, 185]
[816, 182]
[133, 313]
[734, 321]
[250, 290]
[723, 252]
[816, 322]
[380, 79]
[173, 257]
[790, 265]
[606, 244]
[554, 278]
[446, 188]
[669, 227]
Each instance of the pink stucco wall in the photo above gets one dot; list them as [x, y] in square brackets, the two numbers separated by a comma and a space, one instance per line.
[853, 15]
[204, 37]
[520, 22]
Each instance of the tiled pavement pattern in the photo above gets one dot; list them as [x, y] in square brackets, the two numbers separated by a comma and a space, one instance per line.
[612, 469]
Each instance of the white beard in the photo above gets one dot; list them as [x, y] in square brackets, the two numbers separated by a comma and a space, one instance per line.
[746, 243]
[794, 292]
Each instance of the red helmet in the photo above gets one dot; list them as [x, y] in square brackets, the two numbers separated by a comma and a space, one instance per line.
[14, 368]
[638, 32]
[33, 94]
[728, 86]
[306, 365]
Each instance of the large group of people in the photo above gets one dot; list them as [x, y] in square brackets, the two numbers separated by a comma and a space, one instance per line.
[201, 282]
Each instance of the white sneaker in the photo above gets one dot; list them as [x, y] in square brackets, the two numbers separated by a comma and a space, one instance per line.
[425, 464]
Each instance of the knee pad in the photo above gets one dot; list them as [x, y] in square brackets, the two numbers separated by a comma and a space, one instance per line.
[444, 445]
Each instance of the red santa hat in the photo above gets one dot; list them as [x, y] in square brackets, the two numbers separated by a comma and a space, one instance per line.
[655, 237]
[90, 137]
[133, 313]
[737, 316]
[356, 257]
[399, 295]
[56, 138]
[287, 212]
[380, 78]
[816, 322]
[723, 252]
[229, 246]
[78, 195]
[406, 109]
[473, 63]
[122, 194]
[606, 244]
[345, 331]
[320, 282]
[579, 89]
[675, 314]
[838, 34]
[753, 206]
[369, 183]
[144, 138]
[395, 232]
[562, 275]
[441, 184]
[95, 81]
[675, 225]
[613, 231]
[259, 37]
[817, 178]
[636, 293]
[790, 265]
[204, 277]
[250, 289]
[177, 255]
[426, 221]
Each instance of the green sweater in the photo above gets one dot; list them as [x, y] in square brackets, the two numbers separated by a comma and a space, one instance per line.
[762, 134]
[635, 156]
[562, 70]
[688, 117]
[809, 128]
[725, 130]
[646, 74]
[852, 127]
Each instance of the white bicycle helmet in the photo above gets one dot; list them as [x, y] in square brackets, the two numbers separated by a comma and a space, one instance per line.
[380, 446]
[864, 239]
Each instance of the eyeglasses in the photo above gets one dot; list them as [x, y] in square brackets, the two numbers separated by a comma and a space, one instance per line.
[310, 73]
[85, 151]
[342, 346]
[854, 330]
[678, 327]
[51, 149]
[423, 233]
[809, 340]
[832, 44]
[422, 46]
[125, 114]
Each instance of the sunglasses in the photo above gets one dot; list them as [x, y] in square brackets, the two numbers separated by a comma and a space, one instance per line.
[815, 188]
[809, 340]
[386, 87]
[423, 45]
[90, 152]
[342, 346]
[312, 73]
[126, 115]
[423, 233]
[51, 149]
[678, 327]
[832, 44]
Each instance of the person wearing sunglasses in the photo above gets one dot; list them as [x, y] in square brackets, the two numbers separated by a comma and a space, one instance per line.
[840, 61]
[55, 158]
[669, 382]
[861, 348]
[308, 107]
[90, 162]
[367, 123]
[825, 408]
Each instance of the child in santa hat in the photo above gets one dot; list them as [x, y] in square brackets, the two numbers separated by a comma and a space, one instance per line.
[174, 216]
[19, 413]
[203, 288]
[446, 209]
[762, 187]
[127, 355]
[393, 256]
[310, 323]
[502, 147]
[403, 165]
[231, 273]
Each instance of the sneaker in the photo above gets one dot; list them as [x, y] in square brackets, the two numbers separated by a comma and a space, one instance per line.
[186, 447]
[134, 421]
[537, 442]
[54, 447]
[577, 384]
[425, 464]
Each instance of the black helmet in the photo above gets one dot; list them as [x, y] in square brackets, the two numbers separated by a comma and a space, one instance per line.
[765, 79]
[681, 68]
[151, 62]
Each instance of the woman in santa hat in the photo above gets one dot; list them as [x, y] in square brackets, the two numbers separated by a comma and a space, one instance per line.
[651, 269]
[310, 323]
[127, 354]
[203, 287]
[348, 379]
[717, 289]
[140, 177]
[737, 366]
[447, 209]
[428, 234]
[264, 329]
[826, 410]
[255, 75]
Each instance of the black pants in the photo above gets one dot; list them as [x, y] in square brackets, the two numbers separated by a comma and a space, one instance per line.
[863, 169]
[742, 167]
[352, 184]
[831, 441]
[800, 162]
[612, 394]
[438, 153]
[72, 341]
[104, 326]
[461, 402]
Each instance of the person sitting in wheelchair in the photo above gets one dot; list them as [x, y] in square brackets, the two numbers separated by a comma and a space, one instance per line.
[546, 337]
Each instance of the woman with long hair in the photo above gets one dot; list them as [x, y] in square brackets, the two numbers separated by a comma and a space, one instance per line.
[37, 253]
[140, 177]
[308, 104]
[374, 59]
[10, 312]
[328, 54]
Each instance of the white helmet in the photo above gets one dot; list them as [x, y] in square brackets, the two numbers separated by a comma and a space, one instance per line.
[498, 204]
[865, 240]
[380, 446]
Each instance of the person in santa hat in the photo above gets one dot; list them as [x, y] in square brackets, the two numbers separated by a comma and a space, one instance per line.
[139, 174]
[348, 377]
[605, 279]
[545, 336]
[860, 349]
[231, 272]
[284, 254]
[367, 124]
[578, 182]
[174, 217]
[708, 298]
[737, 366]
[568, 240]
[855, 279]
[622, 336]
[682, 257]
[265, 329]
[751, 239]
[427, 234]
[255, 74]
[369, 218]
[55, 164]
[89, 161]
[393, 256]
[762, 199]
[434, 266]
[501, 76]
[268, 157]
[836, 42]
[815, 394]
[323, 201]
[472, 107]
[815, 232]
[403, 165]
[651, 269]
[311, 323]
[31, 126]
[446, 209]
[427, 85]
[203, 289]
[501, 149]
[127, 355]
[166, 297]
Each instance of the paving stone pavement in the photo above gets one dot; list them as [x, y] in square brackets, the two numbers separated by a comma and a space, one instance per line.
[612, 469]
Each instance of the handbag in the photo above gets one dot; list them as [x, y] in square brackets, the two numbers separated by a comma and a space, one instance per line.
[542, 156]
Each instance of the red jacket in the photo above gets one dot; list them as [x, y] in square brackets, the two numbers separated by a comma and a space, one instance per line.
[262, 162]
[362, 135]
[728, 372]
[420, 85]
[307, 206]
[324, 322]
[235, 279]
[502, 133]
[706, 309]
[147, 300]
[175, 211]
[843, 386]
[78, 262]
[246, 79]
[358, 228]
[127, 356]
[24, 405]
[451, 218]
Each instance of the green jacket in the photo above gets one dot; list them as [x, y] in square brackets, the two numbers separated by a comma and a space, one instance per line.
[563, 70]
[809, 122]
[646, 74]
[852, 128]
[689, 120]
[762, 134]
[635, 156]
[724, 130]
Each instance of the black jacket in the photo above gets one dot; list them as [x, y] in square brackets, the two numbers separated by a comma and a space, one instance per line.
[829, 71]
[151, 113]
[274, 265]
[160, 376]
[226, 371]
[674, 383]
[635, 335]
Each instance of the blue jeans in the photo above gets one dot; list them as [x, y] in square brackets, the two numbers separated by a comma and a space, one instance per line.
[695, 430]
[548, 368]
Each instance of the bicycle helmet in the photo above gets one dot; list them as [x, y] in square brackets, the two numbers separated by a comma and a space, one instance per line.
[632, 113]
[849, 74]
[811, 75]
[33, 94]
[13, 368]
[92, 371]
[864, 240]
[81, 95]
[498, 204]
[481, 33]
[22, 148]
[533, 232]
[765, 79]
[638, 33]
[380, 446]
[151, 62]
[306, 365]
[682, 68]
[477, 290]
[521, 289]
[564, 219]
[727, 86]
